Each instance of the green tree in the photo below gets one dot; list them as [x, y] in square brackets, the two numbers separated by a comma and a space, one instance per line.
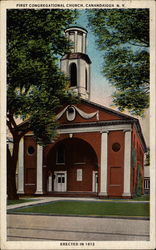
[35, 86]
[123, 35]
[139, 182]
[147, 157]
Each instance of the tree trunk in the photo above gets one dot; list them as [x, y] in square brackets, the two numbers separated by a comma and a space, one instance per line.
[11, 171]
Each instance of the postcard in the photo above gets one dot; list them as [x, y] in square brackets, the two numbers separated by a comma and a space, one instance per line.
[77, 104]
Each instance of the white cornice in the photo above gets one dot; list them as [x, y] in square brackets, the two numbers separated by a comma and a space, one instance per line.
[94, 129]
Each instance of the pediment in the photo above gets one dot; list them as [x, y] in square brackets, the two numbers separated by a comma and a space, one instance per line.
[87, 111]
[71, 111]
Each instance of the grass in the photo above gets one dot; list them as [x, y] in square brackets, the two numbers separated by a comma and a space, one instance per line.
[89, 208]
[144, 197]
[13, 202]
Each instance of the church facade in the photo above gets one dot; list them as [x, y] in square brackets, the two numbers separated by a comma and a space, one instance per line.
[99, 151]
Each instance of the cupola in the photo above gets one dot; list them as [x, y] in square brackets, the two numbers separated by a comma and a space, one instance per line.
[76, 64]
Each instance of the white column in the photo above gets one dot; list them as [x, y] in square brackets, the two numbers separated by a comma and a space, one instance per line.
[50, 183]
[84, 43]
[76, 42]
[104, 163]
[20, 189]
[39, 189]
[127, 163]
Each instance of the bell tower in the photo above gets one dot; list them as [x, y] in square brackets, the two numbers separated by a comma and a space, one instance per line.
[77, 63]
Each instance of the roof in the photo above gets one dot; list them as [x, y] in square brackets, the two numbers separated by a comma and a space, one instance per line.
[104, 108]
[76, 27]
[77, 55]
[130, 119]
[125, 119]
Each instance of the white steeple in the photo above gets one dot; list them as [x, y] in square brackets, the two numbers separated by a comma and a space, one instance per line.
[76, 64]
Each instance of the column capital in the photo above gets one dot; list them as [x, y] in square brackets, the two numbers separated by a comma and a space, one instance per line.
[103, 194]
[127, 130]
[104, 131]
[128, 194]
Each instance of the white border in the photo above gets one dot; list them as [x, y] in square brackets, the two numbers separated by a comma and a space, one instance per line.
[101, 244]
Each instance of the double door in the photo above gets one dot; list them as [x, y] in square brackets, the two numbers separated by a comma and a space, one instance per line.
[60, 181]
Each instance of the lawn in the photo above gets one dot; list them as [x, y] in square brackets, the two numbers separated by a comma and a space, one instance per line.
[89, 208]
[13, 202]
[144, 197]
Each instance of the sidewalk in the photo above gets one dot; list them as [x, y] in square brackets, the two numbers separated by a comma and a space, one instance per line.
[28, 227]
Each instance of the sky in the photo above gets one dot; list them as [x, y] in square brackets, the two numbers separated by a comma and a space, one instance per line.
[101, 89]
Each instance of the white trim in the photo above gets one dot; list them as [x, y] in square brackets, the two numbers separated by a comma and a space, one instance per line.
[61, 113]
[39, 189]
[75, 29]
[136, 129]
[79, 174]
[87, 115]
[76, 41]
[79, 111]
[50, 183]
[21, 167]
[127, 164]
[94, 129]
[104, 163]
[93, 182]
[71, 116]
[84, 43]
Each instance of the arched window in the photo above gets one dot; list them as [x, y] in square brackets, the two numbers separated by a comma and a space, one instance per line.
[86, 79]
[60, 154]
[73, 75]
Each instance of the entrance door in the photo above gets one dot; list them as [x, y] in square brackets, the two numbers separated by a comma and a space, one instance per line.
[60, 181]
[95, 181]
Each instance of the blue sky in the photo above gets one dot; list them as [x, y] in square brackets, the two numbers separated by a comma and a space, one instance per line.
[101, 90]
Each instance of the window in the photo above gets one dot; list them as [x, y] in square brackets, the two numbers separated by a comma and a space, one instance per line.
[61, 179]
[86, 82]
[60, 154]
[31, 150]
[79, 175]
[116, 147]
[70, 114]
[73, 75]
[147, 183]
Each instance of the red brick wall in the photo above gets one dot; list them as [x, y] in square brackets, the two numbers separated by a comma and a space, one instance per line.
[103, 115]
[78, 155]
[139, 160]
[115, 164]
[30, 162]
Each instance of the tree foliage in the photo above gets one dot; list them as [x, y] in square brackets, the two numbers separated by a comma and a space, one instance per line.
[147, 157]
[123, 35]
[139, 182]
[36, 87]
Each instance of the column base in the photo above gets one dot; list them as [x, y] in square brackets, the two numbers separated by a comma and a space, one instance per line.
[39, 192]
[20, 192]
[127, 194]
[102, 194]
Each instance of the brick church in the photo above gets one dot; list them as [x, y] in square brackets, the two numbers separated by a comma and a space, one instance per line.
[99, 151]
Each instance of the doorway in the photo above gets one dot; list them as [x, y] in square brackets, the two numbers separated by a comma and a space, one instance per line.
[60, 181]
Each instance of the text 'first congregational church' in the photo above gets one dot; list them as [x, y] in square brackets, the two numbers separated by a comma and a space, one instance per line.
[99, 151]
